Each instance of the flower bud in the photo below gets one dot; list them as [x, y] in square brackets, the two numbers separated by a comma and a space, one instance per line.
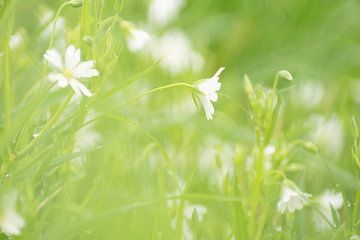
[76, 3]
[285, 74]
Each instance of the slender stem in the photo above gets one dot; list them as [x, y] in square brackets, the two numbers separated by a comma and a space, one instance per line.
[52, 38]
[7, 86]
[49, 124]
[139, 97]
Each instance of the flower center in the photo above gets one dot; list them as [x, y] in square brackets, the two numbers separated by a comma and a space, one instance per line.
[68, 73]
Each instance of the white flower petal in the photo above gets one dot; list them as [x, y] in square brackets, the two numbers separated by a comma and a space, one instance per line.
[53, 57]
[72, 57]
[208, 107]
[79, 88]
[59, 78]
[85, 70]
[217, 74]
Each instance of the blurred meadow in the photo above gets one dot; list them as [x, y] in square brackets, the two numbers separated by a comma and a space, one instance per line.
[136, 140]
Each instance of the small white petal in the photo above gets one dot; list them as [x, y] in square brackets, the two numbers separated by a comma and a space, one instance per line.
[53, 57]
[217, 74]
[72, 57]
[79, 88]
[59, 78]
[85, 70]
[208, 107]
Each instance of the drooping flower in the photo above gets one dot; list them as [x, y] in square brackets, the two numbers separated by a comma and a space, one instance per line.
[206, 91]
[11, 222]
[292, 198]
[161, 12]
[327, 201]
[176, 53]
[71, 70]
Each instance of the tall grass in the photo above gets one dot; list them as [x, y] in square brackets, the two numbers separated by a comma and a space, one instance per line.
[139, 159]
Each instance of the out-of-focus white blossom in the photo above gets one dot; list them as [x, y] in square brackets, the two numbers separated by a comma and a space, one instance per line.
[354, 237]
[327, 201]
[71, 70]
[161, 12]
[175, 53]
[207, 89]
[327, 134]
[310, 94]
[16, 40]
[292, 198]
[137, 39]
[11, 222]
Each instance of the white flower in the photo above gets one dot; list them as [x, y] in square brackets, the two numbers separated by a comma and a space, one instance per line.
[310, 94]
[161, 12]
[200, 209]
[11, 222]
[206, 91]
[328, 200]
[137, 39]
[176, 53]
[354, 237]
[328, 134]
[292, 198]
[16, 40]
[71, 71]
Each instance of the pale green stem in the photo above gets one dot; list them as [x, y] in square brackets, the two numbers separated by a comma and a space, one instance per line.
[52, 37]
[49, 124]
[139, 97]
[6, 81]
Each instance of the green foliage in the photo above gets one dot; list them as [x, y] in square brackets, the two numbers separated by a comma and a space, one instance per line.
[138, 161]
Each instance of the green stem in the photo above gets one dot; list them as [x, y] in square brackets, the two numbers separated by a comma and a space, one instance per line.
[49, 124]
[7, 86]
[139, 97]
[61, 8]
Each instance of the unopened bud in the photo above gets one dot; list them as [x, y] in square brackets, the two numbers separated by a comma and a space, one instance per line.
[76, 3]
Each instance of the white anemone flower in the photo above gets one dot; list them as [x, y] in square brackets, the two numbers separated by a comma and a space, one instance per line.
[71, 70]
[206, 91]
[137, 39]
[292, 198]
[11, 222]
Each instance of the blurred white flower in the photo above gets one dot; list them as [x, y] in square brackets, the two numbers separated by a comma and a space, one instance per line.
[11, 222]
[354, 237]
[16, 40]
[268, 152]
[327, 201]
[161, 12]
[292, 198]
[327, 134]
[137, 39]
[71, 71]
[200, 209]
[207, 89]
[189, 210]
[176, 53]
[310, 94]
